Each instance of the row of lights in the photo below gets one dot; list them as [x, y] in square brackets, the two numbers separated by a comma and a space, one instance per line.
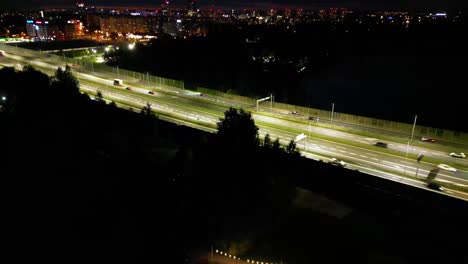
[248, 260]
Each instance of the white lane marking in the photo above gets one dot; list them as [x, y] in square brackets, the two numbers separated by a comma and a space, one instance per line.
[370, 139]
[352, 153]
[375, 159]
[333, 148]
[342, 151]
[363, 156]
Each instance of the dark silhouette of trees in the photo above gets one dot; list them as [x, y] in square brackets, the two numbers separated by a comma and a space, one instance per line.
[291, 148]
[276, 145]
[146, 111]
[267, 141]
[237, 129]
[65, 82]
[99, 98]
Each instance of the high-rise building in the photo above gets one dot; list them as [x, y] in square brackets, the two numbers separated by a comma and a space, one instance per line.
[41, 30]
[191, 7]
[123, 24]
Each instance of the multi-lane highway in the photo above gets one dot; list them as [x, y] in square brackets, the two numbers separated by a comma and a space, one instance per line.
[203, 112]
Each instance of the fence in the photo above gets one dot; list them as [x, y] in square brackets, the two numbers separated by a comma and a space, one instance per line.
[361, 121]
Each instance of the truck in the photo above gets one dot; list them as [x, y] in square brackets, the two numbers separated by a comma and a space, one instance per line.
[118, 82]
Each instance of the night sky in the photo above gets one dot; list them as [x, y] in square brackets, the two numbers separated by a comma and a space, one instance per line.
[255, 3]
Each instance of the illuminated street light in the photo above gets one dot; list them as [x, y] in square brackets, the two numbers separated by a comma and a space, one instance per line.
[3, 98]
[107, 49]
[131, 46]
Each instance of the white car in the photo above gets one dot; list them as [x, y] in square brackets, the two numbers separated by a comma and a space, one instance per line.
[446, 167]
[458, 155]
[337, 162]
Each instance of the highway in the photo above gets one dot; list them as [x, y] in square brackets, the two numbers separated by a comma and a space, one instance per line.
[203, 112]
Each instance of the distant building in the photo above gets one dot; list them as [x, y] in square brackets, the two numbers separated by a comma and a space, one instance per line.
[123, 24]
[73, 29]
[191, 7]
[40, 29]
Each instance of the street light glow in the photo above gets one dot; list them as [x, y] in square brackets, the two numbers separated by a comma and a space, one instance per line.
[3, 98]
[131, 46]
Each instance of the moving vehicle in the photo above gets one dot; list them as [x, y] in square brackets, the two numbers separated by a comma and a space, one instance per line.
[337, 162]
[150, 92]
[2, 53]
[381, 144]
[118, 82]
[435, 186]
[128, 88]
[446, 167]
[458, 155]
[427, 139]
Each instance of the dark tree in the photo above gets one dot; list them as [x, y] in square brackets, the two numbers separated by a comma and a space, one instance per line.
[291, 148]
[65, 81]
[267, 141]
[276, 144]
[146, 110]
[238, 129]
[99, 97]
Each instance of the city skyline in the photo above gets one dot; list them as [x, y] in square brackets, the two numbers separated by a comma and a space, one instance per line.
[362, 4]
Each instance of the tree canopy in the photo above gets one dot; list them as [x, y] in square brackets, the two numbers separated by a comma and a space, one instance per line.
[237, 129]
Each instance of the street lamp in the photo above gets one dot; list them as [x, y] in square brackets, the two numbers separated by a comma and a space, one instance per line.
[131, 46]
[410, 140]
[333, 110]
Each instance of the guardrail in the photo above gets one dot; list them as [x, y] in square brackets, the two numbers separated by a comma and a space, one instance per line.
[343, 118]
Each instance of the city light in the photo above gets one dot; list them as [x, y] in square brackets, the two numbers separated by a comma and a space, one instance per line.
[131, 46]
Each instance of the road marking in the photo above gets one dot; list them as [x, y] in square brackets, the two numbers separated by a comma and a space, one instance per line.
[342, 151]
[375, 159]
[333, 148]
[363, 156]
[352, 153]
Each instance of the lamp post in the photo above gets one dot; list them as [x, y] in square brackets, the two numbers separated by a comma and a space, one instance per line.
[333, 110]
[409, 141]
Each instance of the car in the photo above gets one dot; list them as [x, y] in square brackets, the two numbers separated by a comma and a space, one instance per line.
[201, 94]
[446, 167]
[381, 144]
[337, 162]
[311, 118]
[458, 155]
[128, 88]
[427, 139]
[435, 186]
[150, 92]
[294, 112]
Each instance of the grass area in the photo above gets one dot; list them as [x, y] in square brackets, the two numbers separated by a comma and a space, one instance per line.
[364, 133]
[395, 153]
[452, 186]
[217, 114]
